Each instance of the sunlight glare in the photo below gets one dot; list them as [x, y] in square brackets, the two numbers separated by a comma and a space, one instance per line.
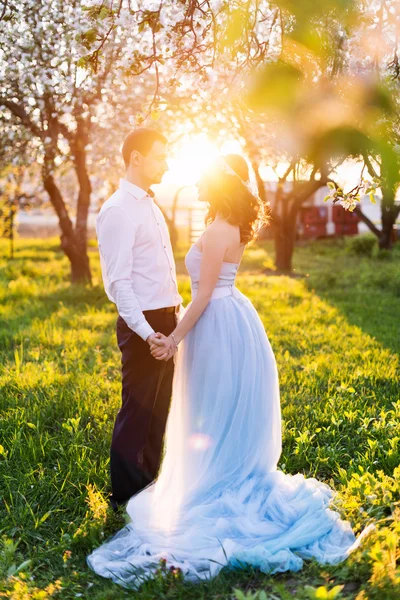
[193, 156]
[186, 165]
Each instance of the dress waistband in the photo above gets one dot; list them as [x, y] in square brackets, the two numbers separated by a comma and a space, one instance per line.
[218, 292]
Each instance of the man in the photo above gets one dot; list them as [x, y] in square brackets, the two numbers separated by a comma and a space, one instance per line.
[139, 277]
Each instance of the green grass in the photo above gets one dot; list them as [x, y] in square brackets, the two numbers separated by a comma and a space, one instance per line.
[335, 334]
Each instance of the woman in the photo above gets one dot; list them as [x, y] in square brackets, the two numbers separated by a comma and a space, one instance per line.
[219, 498]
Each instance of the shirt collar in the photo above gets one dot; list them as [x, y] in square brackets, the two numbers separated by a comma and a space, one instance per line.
[135, 191]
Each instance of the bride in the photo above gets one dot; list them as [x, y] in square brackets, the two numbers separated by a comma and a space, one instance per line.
[219, 498]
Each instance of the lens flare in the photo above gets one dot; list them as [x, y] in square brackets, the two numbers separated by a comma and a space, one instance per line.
[200, 441]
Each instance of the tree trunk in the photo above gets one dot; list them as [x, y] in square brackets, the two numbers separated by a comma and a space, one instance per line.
[389, 209]
[72, 249]
[372, 227]
[82, 271]
[283, 251]
[284, 217]
[385, 237]
[285, 235]
[389, 214]
[12, 232]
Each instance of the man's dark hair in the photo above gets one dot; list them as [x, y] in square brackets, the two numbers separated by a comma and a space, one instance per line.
[142, 140]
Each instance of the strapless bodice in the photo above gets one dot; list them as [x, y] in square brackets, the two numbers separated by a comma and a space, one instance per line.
[193, 260]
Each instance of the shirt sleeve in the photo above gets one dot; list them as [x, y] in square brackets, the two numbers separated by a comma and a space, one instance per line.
[116, 237]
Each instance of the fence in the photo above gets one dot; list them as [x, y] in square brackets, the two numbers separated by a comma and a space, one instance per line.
[196, 216]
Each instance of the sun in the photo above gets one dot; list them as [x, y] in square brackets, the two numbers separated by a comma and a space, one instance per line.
[188, 162]
[193, 157]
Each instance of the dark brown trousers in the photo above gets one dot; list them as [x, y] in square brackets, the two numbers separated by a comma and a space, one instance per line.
[139, 428]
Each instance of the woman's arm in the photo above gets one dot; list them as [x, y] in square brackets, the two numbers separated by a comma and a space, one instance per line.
[215, 243]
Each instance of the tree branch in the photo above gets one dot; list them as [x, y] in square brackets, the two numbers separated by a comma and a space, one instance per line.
[367, 221]
[19, 112]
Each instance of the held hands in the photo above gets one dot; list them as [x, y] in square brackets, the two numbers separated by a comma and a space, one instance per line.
[161, 347]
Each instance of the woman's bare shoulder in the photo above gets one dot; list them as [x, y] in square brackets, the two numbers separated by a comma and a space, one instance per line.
[222, 227]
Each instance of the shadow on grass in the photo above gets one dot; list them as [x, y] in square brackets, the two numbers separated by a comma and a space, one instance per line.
[377, 313]
[18, 318]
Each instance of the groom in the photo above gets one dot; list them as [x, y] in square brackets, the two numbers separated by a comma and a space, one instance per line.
[139, 276]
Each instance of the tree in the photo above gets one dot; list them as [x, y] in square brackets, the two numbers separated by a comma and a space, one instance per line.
[49, 96]
[10, 197]
[287, 63]
[326, 112]
[373, 50]
[17, 181]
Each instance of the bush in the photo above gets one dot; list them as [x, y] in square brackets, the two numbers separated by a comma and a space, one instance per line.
[362, 245]
[382, 253]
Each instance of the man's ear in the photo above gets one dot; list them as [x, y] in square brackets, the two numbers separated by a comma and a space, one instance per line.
[135, 158]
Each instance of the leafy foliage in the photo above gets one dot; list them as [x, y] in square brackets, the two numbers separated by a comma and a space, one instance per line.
[361, 245]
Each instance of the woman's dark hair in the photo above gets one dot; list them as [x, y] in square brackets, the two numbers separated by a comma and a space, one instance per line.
[142, 140]
[228, 195]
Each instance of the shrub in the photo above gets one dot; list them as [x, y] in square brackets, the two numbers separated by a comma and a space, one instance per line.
[381, 253]
[362, 245]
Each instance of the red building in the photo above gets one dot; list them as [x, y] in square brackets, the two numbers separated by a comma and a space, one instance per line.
[316, 222]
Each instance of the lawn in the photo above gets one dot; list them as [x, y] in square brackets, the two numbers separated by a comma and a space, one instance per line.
[335, 331]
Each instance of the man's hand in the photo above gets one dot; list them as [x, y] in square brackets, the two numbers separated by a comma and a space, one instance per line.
[155, 340]
[163, 347]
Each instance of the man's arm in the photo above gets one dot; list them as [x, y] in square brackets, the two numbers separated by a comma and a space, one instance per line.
[116, 235]
[129, 309]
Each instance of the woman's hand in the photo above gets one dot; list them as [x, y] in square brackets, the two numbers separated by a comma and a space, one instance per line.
[164, 349]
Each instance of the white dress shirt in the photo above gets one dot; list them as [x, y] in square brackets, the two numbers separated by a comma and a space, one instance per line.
[137, 262]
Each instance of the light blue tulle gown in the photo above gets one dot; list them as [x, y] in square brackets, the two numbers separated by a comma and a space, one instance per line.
[219, 498]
